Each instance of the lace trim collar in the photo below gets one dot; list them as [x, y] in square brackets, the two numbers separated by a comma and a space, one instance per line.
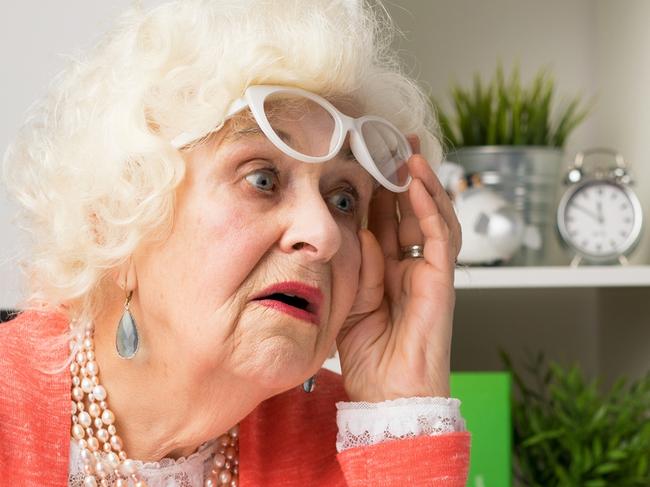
[201, 455]
[184, 471]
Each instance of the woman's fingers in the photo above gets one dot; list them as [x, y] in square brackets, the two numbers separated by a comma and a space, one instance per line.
[409, 224]
[437, 234]
[382, 222]
[420, 169]
[371, 276]
[370, 291]
[393, 234]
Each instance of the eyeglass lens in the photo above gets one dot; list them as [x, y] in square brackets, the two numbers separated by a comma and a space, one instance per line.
[387, 150]
[290, 115]
[284, 111]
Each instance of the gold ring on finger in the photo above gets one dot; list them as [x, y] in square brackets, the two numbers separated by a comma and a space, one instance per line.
[413, 251]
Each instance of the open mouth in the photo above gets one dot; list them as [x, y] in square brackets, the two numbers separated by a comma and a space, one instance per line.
[294, 299]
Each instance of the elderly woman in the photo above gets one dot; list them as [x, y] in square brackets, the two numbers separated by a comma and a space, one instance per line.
[218, 195]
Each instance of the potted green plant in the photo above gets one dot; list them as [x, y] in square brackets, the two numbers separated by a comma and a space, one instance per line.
[567, 433]
[513, 137]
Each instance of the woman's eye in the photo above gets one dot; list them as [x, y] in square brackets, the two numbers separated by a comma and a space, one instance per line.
[344, 201]
[264, 179]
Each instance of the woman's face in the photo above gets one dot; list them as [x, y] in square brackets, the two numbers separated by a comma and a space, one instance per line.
[253, 226]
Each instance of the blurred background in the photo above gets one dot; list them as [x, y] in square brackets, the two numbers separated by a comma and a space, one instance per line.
[600, 51]
[593, 315]
[592, 318]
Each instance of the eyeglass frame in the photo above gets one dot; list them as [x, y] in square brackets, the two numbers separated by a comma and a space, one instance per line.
[254, 97]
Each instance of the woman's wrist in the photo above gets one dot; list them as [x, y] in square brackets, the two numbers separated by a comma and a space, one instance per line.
[381, 396]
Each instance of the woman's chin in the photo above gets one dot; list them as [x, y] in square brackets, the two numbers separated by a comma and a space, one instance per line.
[282, 362]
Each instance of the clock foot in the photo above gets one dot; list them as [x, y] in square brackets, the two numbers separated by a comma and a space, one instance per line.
[575, 262]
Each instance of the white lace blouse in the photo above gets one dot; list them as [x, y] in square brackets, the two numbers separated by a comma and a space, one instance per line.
[359, 424]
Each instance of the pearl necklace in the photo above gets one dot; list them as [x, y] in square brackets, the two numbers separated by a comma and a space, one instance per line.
[93, 427]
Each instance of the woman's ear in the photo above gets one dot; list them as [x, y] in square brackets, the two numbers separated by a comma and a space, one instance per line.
[125, 276]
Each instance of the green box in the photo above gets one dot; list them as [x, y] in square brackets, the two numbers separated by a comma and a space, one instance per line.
[485, 406]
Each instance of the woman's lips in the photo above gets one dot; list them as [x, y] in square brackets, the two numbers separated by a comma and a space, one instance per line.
[290, 310]
[309, 297]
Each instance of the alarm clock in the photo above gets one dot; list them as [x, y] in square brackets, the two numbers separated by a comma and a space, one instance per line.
[599, 216]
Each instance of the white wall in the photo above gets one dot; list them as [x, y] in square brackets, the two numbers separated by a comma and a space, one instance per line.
[623, 74]
[449, 40]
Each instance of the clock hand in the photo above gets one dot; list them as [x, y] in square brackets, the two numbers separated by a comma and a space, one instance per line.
[587, 212]
[599, 206]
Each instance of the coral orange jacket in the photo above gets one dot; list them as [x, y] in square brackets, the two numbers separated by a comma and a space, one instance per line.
[289, 440]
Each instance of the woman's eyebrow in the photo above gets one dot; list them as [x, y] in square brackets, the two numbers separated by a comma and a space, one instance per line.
[243, 131]
[255, 130]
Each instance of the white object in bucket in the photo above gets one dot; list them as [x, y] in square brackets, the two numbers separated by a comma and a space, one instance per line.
[493, 230]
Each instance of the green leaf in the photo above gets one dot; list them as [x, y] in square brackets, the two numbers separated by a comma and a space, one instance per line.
[540, 437]
[597, 449]
[608, 467]
[508, 113]
[617, 455]
[589, 460]
[569, 433]
[562, 475]
[596, 483]
[446, 127]
[515, 93]
[642, 466]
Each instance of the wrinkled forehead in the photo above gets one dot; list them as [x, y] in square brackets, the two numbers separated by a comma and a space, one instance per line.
[301, 123]
[287, 102]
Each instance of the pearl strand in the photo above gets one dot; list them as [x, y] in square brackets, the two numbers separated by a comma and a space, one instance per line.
[225, 464]
[105, 461]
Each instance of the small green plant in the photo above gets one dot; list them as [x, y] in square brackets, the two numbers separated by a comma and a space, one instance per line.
[567, 433]
[506, 113]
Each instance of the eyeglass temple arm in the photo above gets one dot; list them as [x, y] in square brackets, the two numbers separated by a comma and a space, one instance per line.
[185, 138]
[236, 107]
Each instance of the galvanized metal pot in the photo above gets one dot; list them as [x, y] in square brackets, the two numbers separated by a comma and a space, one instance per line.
[526, 176]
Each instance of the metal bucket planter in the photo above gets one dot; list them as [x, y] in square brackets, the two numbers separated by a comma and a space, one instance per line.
[528, 178]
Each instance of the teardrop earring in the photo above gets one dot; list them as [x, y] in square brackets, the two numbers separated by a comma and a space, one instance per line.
[310, 384]
[127, 339]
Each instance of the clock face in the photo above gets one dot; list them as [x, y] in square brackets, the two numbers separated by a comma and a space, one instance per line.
[600, 220]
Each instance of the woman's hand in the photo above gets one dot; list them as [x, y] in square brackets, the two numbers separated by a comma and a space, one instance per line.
[396, 341]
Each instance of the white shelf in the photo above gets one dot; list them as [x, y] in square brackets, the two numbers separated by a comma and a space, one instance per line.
[552, 277]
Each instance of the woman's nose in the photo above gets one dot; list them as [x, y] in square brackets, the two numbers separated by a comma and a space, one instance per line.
[311, 229]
